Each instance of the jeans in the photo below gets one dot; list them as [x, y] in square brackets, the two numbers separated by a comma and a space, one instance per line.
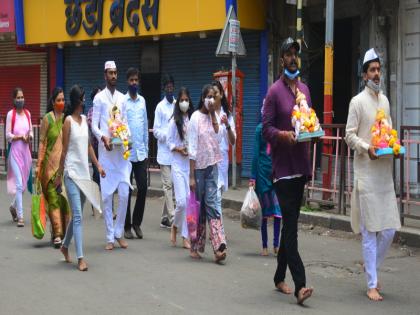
[289, 193]
[139, 171]
[75, 227]
[17, 201]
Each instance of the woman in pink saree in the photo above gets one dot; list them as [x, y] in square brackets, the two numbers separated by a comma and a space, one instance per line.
[19, 162]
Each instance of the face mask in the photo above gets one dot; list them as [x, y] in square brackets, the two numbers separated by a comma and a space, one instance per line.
[208, 101]
[19, 104]
[183, 106]
[133, 89]
[169, 96]
[291, 75]
[375, 87]
[59, 107]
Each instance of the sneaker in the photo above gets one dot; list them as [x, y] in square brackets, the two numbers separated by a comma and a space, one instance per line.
[128, 234]
[165, 223]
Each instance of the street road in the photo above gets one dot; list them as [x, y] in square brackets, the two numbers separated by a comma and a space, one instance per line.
[151, 277]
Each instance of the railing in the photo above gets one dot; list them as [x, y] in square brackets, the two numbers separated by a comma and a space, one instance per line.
[327, 185]
[153, 166]
[410, 173]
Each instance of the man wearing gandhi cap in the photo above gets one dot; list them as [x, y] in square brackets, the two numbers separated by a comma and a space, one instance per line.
[111, 157]
[374, 211]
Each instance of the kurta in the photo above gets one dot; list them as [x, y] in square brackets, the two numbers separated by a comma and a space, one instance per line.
[19, 150]
[373, 193]
[116, 167]
[262, 174]
[223, 165]
[76, 165]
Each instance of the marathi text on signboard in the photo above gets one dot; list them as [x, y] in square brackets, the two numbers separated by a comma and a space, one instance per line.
[234, 35]
[93, 14]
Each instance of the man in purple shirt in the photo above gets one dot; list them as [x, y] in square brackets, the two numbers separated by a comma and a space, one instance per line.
[291, 167]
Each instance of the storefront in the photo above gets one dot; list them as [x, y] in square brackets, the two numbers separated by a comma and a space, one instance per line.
[25, 68]
[157, 37]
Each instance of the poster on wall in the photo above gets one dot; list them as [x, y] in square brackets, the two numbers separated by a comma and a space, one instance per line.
[7, 20]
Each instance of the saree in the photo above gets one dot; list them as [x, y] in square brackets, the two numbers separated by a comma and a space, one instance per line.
[48, 163]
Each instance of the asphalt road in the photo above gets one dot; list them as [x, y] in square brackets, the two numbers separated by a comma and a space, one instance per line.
[151, 277]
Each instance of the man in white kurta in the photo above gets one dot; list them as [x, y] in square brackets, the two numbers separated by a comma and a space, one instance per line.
[111, 158]
[374, 211]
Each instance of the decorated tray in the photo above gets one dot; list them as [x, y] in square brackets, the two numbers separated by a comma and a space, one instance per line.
[307, 136]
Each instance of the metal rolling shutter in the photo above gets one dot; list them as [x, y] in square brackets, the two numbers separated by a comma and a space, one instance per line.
[192, 62]
[28, 70]
[85, 65]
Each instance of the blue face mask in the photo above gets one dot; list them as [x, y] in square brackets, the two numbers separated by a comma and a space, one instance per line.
[133, 89]
[169, 96]
[291, 75]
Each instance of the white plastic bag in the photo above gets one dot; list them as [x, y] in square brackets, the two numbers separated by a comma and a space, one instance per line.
[251, 211]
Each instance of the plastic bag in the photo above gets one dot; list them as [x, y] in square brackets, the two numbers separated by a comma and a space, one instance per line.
[251, 211]
[193, 214]
[38, 213]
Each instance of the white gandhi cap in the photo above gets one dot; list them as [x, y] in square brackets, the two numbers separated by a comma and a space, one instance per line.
[110, 65]
[370, 55]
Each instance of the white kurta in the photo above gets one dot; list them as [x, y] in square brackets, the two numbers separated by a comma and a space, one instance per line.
[223, 166]
[117, 169]
[373, 190]
[76, 165]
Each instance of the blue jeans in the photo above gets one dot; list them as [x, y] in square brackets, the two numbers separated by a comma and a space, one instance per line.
[206, 192]
[75, 227]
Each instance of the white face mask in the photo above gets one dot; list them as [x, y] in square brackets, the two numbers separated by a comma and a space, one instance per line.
[184, 105]
[208, 101]
[375, 87]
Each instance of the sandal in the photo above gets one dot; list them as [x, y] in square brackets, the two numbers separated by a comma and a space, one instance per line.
[20, 223]
[57, 242]
[13, 213]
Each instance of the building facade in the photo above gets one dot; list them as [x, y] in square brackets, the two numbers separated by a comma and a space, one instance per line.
[158, 37]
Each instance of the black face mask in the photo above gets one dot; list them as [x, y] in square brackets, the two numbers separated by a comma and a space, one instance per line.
[19, 104]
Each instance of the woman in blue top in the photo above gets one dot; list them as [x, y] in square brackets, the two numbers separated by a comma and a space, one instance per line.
[261, 180]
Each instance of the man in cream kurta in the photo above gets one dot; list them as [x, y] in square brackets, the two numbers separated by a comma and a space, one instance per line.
[111, 158]
[374, 211]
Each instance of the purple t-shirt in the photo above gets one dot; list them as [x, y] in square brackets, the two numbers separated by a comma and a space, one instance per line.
[287, 159]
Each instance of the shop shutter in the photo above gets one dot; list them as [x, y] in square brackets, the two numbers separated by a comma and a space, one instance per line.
[28, 70]
[85, 66]
[192, 62]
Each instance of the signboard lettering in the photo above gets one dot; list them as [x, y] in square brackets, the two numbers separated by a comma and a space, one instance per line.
[92, 16]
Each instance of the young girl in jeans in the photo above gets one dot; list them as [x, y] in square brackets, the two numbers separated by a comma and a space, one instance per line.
[204, 154]
[75, 166]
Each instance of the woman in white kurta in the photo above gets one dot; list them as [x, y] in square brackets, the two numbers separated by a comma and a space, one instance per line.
[180, 168]
[227, 138]
[74, 165]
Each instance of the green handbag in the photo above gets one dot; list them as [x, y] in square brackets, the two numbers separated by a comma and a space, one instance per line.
[38, 212]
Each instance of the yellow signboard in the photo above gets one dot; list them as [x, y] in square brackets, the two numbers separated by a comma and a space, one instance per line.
[60, 21]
